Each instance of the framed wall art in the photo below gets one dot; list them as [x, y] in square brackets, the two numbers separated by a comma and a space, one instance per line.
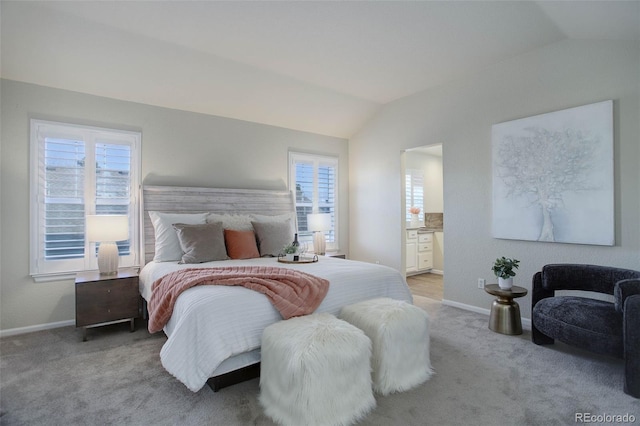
[553, 176]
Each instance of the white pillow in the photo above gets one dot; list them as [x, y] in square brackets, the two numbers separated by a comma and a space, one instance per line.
[236, 222]
[167, 243]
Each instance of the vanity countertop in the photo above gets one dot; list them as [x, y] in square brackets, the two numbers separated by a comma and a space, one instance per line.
[423, 230]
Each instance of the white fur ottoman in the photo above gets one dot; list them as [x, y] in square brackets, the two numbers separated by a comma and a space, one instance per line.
[399, 332]
[315, 370]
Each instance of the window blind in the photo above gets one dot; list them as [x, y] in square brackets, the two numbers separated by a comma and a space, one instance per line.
[63, 206]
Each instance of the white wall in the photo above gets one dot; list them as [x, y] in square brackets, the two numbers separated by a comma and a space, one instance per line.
[460, 115]
[178, 148]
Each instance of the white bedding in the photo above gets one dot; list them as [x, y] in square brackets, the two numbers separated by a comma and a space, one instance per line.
[211, 324]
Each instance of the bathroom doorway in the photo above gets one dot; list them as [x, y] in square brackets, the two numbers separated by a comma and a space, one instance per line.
[423, 217]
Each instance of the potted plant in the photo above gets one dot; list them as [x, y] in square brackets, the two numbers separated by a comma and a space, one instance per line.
[504, 267]
[291, 251]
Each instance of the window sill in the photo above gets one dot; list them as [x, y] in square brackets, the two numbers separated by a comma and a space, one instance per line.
[71, 275]
[44, 278]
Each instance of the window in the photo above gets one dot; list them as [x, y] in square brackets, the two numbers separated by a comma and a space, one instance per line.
[315, 179]
[76, 171]
[414, 192]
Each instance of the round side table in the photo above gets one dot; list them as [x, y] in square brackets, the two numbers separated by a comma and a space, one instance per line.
[505, 313]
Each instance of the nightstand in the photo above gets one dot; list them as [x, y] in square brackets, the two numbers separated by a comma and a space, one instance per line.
[106, 299]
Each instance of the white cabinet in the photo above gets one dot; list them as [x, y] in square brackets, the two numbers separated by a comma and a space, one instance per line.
[419, 251]
[412, 251]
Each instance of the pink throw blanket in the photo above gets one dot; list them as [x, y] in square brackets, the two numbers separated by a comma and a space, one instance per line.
[292, 293]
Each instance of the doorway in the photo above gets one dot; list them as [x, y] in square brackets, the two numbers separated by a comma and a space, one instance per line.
[423, 235]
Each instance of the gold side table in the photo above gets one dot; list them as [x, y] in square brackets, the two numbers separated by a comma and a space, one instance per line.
[505, 313]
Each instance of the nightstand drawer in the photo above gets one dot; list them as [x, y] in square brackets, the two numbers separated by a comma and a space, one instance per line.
[107, 300]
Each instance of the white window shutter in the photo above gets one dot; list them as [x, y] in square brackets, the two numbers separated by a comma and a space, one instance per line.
[314, 178]
[79, 170]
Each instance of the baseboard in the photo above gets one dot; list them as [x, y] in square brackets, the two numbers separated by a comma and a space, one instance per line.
[425, 271]
[32, 328]
[466, 307]
[526, 322]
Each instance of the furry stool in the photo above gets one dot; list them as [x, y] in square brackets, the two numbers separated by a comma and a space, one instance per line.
[315, 370]
[399, 332]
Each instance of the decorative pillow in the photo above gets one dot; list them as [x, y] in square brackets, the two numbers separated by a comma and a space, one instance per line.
[241, 244]
[238, 222]
[201, 243]
[272, 236]
[291, 217]
[167, 248]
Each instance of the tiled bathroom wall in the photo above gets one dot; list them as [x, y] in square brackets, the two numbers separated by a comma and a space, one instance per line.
[434, 221]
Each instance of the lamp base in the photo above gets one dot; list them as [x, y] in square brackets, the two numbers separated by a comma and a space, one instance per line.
[108, 258]
[319, 243]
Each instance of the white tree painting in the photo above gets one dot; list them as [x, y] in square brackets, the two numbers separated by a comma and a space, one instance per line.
[553, 176]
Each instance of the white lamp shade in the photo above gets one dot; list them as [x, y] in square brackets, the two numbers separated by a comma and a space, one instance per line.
[319, 222]
[107, 228]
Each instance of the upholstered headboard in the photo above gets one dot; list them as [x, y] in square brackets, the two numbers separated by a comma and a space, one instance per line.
[176, 199]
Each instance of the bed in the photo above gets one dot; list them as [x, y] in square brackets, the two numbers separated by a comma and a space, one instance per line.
[214, 332]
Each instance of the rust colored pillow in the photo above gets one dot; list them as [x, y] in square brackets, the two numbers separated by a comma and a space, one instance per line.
[241, 244]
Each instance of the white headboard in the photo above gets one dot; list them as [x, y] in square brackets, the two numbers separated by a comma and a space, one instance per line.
[176, 199]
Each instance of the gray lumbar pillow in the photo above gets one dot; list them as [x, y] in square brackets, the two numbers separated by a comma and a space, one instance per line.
[201, 243]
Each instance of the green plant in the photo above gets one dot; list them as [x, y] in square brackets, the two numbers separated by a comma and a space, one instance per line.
[504, 267]
[290, 249]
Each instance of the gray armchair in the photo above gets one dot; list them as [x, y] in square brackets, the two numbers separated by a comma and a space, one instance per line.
[598, 326]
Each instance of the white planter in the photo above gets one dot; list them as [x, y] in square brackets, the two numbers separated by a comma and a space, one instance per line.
[292, 256]
[415, 222]
[505, 283]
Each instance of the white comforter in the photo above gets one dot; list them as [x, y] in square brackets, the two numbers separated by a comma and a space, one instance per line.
[211, 324]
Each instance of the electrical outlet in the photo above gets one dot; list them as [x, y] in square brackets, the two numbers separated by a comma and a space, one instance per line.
[481, 282]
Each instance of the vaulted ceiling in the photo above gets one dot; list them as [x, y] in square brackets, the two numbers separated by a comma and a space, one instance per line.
[323, 67]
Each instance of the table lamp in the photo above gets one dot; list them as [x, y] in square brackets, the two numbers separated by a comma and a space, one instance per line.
[319, 223]
[106, 230]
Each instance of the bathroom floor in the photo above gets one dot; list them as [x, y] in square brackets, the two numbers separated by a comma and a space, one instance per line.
[426, 285]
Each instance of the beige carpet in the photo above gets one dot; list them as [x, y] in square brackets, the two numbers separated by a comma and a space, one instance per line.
[482, 378]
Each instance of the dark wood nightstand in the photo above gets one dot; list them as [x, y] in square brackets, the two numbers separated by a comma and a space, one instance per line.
[106, 299]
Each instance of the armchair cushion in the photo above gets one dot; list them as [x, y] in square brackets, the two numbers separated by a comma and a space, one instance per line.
[590, 324]
[624, 289]
[632, 345]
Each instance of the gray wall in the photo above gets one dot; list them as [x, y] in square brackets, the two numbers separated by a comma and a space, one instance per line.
[178, 148]
[460, 115]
